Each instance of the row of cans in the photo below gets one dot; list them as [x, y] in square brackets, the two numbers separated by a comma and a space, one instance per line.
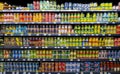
[60, 29]
[59, 66]
[61, 41]
[61, 54]
[59, 17]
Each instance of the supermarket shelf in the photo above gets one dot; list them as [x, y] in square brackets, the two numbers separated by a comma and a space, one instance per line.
[74, 35]
[59, 11]
[59, 72]
[62, 60]
[60, 23]
[67, 48]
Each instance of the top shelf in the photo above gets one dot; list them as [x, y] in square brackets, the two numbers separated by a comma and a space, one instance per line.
[17, 11]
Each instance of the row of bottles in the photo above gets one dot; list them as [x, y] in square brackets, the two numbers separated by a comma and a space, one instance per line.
[60, 54]
[60, 17]
[60, 29]
[61, 41]
[52, 5]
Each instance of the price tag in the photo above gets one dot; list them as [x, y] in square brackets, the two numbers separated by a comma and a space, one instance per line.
[82, 73]
[114, 59]
[101, 72]
[52, 59]
[55, 47]
[43, 73]
[38, 59]
[11, 59]
[29, 47]
[8, 59]
[37, 34]
[109, 34]
[2, 59]
[105, 72]
[46, 47]
[62, 47]
[71, 59]
[36, 47]
[77, 47]
[17, 72]
[21, 47]
[21, 34]
[44, 34]
[58, 73]
[67, 47]
[43, 59]
[83, 47]
[49, 34]
[49, 73]
[77, 73]
[25, 47]
[109, 73]
[28, 72]
[11, 34]
[96, 34]
[28, 59]
[5, 34]
[90, 47]
[68, 34]
[16, 59]
[103, 34]
[76, 34]
[78, 60]
[92, 34]
[84, 34]
[91, 72]
[29, 34]
[23, 59]
[59, 34]
[100, 47]
[58, 47]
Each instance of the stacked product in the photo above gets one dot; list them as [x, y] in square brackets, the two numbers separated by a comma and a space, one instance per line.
[60, 54]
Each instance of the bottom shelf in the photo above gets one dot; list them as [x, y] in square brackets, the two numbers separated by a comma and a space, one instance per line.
[60, 73]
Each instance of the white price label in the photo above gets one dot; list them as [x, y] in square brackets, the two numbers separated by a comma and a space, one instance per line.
[83, 47]
[29, 34]
[11, 59]
[59, 34]
[36, 47]
[23, 59]
[43, 59]
[78, 60]
[21, 34]
[25, 47]
[109, 34]
[49, 34]
[90, 47]
[58, 73]
[114, 59]
[71, 59]
[44, 34]
[29, 47]
[67, 47]
[77, 47]
[21, 47]
[38, 59]
[76, 34]
[52, 59]
[91, 72]
[49, 73]
[100, 47]
[37, 34]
